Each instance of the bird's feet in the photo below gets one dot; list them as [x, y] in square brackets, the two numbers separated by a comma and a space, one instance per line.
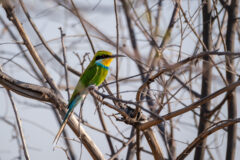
[92, 87]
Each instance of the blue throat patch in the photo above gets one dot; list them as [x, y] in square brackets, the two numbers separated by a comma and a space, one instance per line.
[101, 65]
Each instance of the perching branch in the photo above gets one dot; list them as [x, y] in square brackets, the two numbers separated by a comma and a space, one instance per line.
[48, 95]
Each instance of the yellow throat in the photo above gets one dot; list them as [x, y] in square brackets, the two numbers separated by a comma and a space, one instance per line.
[107, 62]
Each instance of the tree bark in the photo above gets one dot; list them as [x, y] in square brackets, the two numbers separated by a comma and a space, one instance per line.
[206, 76]
[232, 106]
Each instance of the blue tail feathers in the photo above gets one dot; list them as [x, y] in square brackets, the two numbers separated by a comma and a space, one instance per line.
[71, 106]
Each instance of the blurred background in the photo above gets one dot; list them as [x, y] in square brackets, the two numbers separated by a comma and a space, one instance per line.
[150, 44]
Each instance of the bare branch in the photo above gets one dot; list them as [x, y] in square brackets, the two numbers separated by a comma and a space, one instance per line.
[190, 107]
[45, 94]
[12, 17]
[205, 134]
[19, 126]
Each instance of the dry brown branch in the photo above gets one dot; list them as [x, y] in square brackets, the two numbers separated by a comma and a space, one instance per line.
[104, 126]
[75, 10]
[177, 54]
[65, 61]
[151, 138]
[206, 86]
[120, 150]
[44, 41]
[153, 143]
[190, 107]
[205, 134]
[12, 17]
[19, 124]
[48, 95]
[230, 76]
[176, 66]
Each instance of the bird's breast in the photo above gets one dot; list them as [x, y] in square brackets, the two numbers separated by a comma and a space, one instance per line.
[101, 75]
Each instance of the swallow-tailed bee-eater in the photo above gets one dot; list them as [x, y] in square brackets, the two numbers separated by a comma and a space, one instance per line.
[94, 74]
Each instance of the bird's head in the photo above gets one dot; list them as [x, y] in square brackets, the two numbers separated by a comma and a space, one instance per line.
[105, 57]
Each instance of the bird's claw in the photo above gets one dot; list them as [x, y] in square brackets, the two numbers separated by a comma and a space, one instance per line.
[92, 87]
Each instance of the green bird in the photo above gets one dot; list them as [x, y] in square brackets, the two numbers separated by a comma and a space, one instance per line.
[94, 74]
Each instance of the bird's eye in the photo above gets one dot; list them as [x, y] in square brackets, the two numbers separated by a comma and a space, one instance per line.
[98, 57]
[102, 57]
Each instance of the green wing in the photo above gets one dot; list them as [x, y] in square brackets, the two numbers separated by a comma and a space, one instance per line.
[100, 76]
[89, 75]
[86, 79]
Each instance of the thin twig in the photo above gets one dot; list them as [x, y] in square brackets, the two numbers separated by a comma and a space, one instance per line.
[190, 107]
[44, 43]
[205, 134]
[120, 150]
[117, 44]
[104, 127]
[65, 151]
[83, 25]
[177, 65]
[19, 124]
[124, 101]
[12, 17]
[48, 95]
[138, 141]
[102, 131]
[21, 49]
[65, 61]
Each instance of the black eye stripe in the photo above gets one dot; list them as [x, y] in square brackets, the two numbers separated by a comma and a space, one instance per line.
[102, 57]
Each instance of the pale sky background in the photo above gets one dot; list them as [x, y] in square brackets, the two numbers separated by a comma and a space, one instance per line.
[39, 123]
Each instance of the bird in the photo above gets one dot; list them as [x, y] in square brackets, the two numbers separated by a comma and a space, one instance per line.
[94, 74]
